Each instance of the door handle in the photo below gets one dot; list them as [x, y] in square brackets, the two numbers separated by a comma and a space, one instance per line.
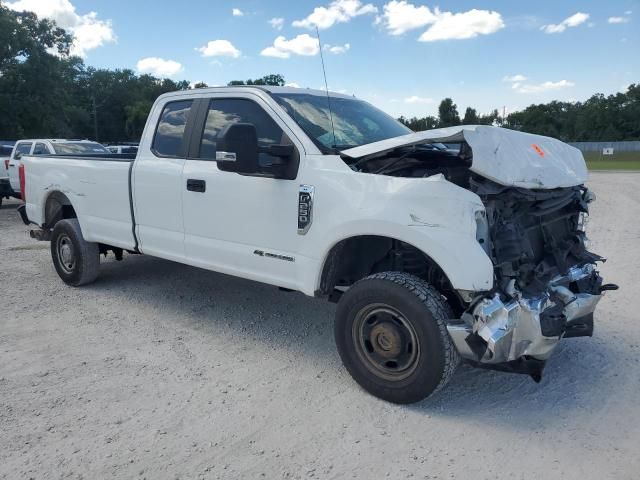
[194, 185]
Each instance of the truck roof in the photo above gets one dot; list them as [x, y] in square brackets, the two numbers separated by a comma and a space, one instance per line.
[257, 89]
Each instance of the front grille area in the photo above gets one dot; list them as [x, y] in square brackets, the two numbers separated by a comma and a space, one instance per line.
[536, 235]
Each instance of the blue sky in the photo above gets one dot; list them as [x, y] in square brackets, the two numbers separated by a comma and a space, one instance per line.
[404, 56]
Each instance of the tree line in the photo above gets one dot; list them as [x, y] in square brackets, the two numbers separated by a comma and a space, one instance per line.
[448, 116]
[45, 92]
[600, 118]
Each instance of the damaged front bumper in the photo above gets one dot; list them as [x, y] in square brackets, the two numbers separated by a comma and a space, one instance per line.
[514, 332]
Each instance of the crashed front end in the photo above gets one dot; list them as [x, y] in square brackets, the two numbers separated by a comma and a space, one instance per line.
[546, 282]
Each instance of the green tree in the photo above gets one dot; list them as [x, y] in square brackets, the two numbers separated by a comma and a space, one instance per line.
[489, 119]
[448, 113]
[420, 124]
[274, 79]
[470, 116]
[35, 86]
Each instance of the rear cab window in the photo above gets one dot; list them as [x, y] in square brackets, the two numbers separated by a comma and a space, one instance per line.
[169, 140]
[40, 149]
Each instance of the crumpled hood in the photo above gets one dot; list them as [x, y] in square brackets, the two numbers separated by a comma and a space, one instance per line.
[505, 156]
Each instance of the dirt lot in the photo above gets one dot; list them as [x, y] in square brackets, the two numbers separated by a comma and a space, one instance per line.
[160, 370]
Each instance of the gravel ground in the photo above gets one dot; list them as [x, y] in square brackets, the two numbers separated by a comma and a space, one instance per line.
[160, 370]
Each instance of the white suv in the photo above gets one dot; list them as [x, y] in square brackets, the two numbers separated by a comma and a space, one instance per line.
[47, 146]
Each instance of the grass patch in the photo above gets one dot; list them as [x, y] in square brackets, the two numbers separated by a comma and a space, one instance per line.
[617, 161]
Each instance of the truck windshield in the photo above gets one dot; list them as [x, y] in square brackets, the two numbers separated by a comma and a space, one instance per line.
[355, 122]
[78, 148]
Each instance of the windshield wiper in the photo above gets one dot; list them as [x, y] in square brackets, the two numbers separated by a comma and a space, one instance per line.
[343, 147]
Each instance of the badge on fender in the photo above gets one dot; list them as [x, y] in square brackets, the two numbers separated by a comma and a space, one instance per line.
[305, 208]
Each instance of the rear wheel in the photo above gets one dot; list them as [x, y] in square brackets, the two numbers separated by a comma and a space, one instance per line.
[76, 260]
[391, 334]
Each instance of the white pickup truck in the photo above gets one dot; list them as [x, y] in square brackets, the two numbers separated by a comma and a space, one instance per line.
[432, 254]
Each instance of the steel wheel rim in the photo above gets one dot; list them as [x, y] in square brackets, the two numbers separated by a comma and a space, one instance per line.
[386, 342]
[66, 254]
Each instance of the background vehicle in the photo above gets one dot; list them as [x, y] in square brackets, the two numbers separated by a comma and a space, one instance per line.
[122, 148]
[5, 186]
[431, 255]
[46, 146]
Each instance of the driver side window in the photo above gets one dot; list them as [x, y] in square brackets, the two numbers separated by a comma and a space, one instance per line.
[238, 110]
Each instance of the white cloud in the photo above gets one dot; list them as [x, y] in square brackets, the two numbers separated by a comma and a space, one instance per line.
[301, 45]
[514, 78]
[338, 11]
[400, 16]
[219, 48]
[460, 26]
[337, 49]
[414, 99]
[542, 87]
[618, 19]
[158, 66]
[277, 23]
[292, 85]
[628, 12]
[236, 12]
[88, 31]
[517, 84]
[569, 22]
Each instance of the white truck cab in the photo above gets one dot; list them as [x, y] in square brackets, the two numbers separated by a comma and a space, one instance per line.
[432, 254]
[46, 146]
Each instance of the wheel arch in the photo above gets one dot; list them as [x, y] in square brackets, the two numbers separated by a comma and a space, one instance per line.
[356, 257]
[57, 206]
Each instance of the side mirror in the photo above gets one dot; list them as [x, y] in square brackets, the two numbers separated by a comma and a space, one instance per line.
[283, 151]
[237, 148]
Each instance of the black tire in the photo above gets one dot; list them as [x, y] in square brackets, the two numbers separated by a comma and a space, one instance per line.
[76, 260]
[401, 360]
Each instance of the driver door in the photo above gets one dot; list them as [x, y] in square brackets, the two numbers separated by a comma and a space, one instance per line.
[237, 223]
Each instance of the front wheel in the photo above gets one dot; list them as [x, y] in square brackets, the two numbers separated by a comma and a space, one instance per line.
[76, 260]
[391, 334]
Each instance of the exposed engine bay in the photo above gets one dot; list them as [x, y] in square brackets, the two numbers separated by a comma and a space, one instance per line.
[422, 161]
[546, 285]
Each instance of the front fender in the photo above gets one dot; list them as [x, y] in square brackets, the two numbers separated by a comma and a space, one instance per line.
[460, 256]
[432, 214]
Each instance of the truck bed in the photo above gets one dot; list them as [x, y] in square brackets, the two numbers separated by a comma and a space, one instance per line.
[98, 186]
